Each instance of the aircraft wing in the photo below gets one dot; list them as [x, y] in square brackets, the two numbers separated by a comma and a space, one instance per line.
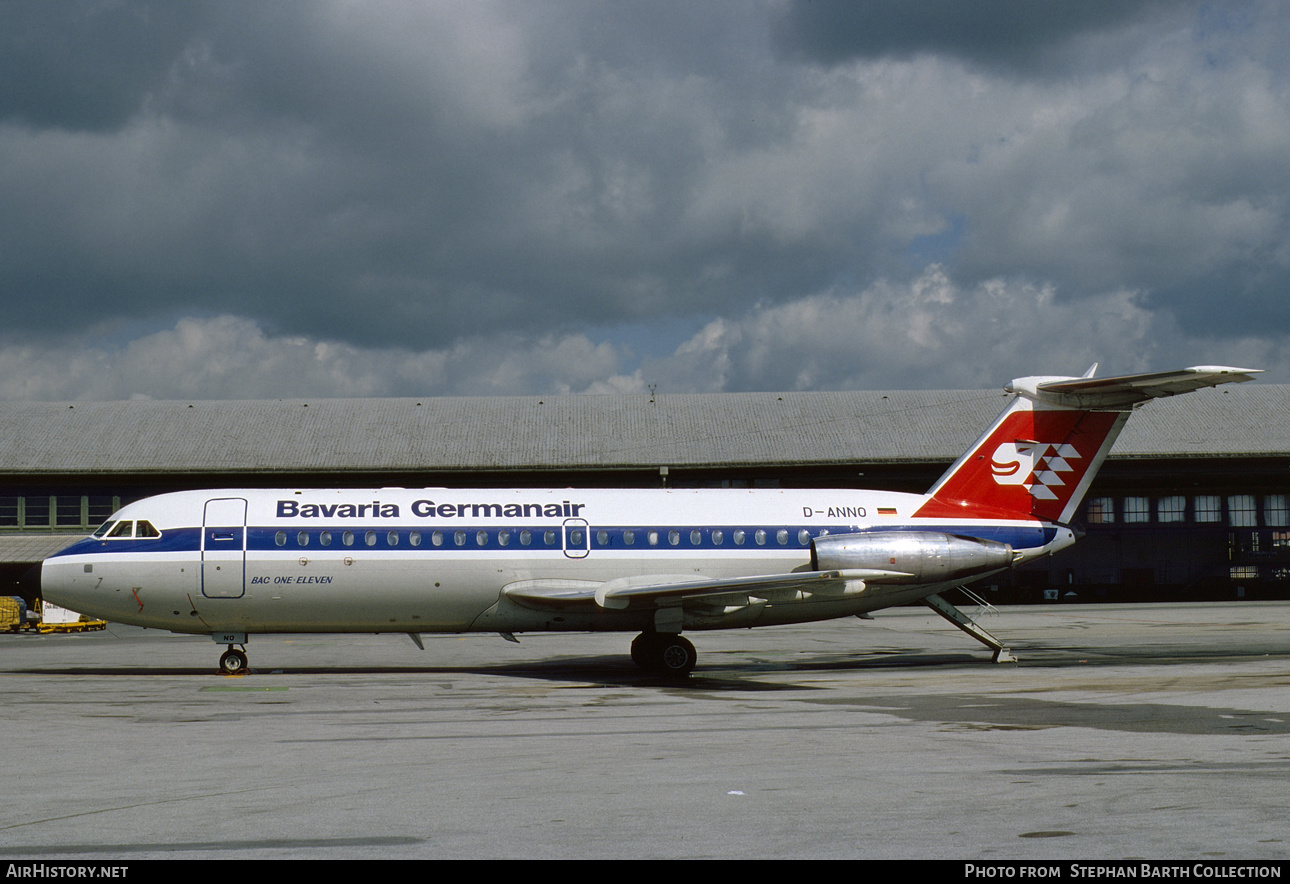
[654, 589]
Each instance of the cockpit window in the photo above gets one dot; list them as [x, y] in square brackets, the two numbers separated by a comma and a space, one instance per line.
[103, 529]
[124, 528]
[143, 528]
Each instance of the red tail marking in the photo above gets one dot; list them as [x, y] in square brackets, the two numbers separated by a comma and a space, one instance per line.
[1028, 467]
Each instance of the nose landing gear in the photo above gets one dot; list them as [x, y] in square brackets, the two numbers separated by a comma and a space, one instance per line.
[233, 661]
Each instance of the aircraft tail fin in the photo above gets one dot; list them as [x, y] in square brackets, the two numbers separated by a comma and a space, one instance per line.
[1039, 457]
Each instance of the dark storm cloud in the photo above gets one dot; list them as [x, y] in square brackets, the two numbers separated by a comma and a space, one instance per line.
[82, 64]
[374, 195]
[993, 33]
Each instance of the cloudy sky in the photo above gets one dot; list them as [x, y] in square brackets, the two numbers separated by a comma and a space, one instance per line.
[404, 197]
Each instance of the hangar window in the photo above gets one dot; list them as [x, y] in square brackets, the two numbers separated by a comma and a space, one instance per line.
[1275, 513]
[67, 511]
[1171, 509]
[1244, 572]
[1209, 508]
[1240, 511]
[1137, 509]
[1101, 511]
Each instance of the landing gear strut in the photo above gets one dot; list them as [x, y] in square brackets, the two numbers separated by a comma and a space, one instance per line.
[232, 661]
[663, 653]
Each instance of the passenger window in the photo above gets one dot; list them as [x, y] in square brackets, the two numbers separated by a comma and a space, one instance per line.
[674, 537]
[302, 539]
[781, 537]
[370, 538]
[415, 538]
[280, 538]
[526, 538]
[437, 538]
[760, 537]
[804, 537]
[549, 538]
[653, 538]
[602, 538]
[629, 537]
[459, 538]
[739, 537]
[392, 538]
[347, 538]
[503, 538]
[325, 538]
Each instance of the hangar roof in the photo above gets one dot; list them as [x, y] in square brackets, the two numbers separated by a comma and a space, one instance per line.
[604, 432]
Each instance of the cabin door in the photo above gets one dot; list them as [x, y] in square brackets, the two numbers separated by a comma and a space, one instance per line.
[577, 538]
[224, 548]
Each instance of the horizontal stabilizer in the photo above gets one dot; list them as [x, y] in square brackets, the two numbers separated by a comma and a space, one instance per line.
[1127, 390]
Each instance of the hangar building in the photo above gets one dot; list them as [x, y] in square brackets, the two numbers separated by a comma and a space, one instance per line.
[1194, 502]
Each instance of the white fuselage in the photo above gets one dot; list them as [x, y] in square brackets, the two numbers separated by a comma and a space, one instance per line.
[439, 560]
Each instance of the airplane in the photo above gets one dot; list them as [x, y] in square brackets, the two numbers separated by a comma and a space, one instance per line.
[231, 563]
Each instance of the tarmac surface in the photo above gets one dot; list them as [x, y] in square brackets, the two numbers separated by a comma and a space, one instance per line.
[1123, 732]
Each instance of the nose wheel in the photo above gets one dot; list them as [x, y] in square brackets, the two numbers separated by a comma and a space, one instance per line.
[232, 661]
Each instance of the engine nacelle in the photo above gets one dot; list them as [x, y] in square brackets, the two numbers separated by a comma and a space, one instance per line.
[912, 557]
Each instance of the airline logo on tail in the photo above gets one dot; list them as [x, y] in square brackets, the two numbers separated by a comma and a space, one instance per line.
[1031, 464]
[1034, 465]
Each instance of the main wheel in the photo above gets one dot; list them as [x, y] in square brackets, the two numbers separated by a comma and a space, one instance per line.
[674, 656]
[232, 661]
[642, 652]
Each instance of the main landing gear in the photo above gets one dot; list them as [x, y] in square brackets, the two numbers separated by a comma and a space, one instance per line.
[664, 653]
[233, 661]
